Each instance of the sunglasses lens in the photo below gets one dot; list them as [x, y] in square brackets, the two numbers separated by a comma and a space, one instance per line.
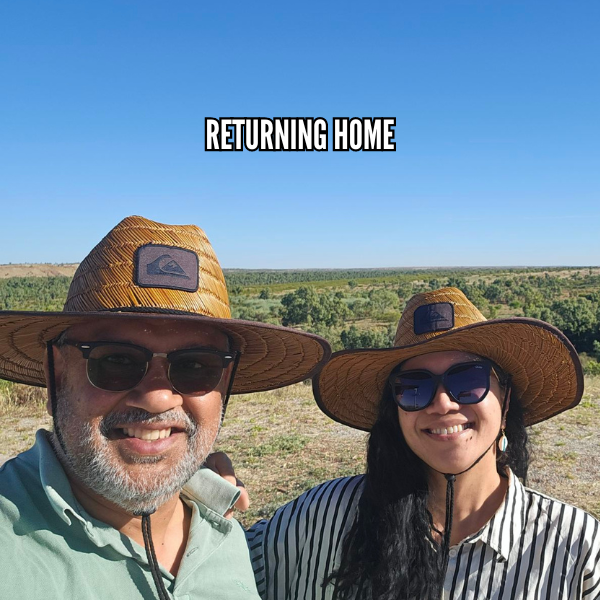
[116, 368]
[413, 390]
[469, 383]
[195, 372]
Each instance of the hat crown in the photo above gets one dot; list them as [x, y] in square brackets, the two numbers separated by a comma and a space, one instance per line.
[144, 266]
[430, 314]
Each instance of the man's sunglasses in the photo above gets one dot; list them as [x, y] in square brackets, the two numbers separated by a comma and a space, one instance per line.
[119, 367]
[465, 383]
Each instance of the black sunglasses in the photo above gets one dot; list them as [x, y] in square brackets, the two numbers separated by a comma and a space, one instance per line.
[465, 383]
[119, 367]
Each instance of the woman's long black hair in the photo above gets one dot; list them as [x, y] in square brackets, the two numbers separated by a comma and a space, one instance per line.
[390, 552]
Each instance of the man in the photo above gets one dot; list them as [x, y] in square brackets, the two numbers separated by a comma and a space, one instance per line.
[139, 367]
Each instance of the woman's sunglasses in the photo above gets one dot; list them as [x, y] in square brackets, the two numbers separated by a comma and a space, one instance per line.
[119, 367]
[465, 383]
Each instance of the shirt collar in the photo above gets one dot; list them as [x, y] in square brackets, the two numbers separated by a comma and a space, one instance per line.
[54, 480]
[506, 526]
[205, 488]
[213, 493]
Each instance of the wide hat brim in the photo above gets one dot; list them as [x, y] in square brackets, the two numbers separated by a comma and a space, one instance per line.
[271, 356]
[545, 370]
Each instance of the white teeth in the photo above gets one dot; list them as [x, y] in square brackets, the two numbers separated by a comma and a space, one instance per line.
[449, 430]
[147, 434]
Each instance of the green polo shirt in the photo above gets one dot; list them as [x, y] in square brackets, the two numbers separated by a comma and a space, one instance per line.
[51, 548]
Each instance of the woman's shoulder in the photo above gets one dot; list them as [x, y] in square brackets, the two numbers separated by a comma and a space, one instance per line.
[326, 501]
[342, 488]
[325, 496]
[553, 504]
[568, 519]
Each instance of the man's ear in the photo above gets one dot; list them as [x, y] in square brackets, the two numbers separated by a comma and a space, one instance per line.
[59, 365]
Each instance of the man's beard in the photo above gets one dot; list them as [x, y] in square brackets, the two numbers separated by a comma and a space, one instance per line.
[86, 450]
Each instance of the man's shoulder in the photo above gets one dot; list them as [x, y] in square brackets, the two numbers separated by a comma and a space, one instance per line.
[25, 504]
[22, 510]
[19, 477]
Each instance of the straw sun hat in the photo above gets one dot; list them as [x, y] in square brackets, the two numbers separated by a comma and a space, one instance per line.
[546, 373]
[143, 269]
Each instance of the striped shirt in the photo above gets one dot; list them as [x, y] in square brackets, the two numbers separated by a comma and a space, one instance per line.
[533, 548]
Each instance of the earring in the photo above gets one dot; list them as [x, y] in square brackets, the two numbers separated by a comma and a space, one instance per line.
[502, 442]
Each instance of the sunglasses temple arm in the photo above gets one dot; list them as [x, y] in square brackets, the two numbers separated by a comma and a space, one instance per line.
[230, 384]
[53, 393]
[505, 402]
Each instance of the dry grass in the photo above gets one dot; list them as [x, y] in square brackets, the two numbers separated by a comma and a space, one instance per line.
[282, 444]
[22, 413]
[565, 462]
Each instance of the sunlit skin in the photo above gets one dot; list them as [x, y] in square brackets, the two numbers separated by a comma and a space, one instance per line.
[480, 491]
[153, 394]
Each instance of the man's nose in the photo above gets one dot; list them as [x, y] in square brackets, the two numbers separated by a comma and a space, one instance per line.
[155, 392]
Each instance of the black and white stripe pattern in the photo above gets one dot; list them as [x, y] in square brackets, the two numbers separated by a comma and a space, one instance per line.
[534, 548]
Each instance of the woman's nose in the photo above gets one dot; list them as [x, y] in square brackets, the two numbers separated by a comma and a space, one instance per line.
[442, 402]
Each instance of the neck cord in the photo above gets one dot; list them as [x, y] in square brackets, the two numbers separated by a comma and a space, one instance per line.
[146, 530]
[146, 527]
[151, 556]
[450, 480]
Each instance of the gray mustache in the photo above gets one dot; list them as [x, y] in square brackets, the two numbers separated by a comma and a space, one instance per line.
[139, 416]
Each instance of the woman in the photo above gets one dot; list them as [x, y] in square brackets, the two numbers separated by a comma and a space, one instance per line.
[441, 512]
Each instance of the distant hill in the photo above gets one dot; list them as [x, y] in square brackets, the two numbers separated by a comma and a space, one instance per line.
[37, 270]
[254, 277]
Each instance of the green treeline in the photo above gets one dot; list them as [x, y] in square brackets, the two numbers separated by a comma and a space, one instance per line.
[33, 293]
[246, 278]
[359, 308]
[359, 315]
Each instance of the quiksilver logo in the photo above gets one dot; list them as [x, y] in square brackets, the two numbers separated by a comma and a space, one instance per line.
[438, 316]
[165, 265]
[433, 316]
[168, 267]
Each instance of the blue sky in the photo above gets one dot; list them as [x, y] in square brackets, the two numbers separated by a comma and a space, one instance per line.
[497, 105]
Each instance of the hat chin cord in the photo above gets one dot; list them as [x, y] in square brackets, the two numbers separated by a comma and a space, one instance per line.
[146, 527]
[450, 480]
[151, 555]
[53, 395]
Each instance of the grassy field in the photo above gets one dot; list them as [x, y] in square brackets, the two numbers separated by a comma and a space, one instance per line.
[282, 444]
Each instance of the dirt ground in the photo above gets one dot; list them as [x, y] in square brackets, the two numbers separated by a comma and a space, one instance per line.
[282, 444]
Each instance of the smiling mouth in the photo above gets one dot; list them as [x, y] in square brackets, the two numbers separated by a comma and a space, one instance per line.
[147, 435]
[450, 430]
[141, 433]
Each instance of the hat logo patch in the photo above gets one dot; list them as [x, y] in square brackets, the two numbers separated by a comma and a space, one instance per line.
[160, 267]
[433, 317]
[166, 267]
